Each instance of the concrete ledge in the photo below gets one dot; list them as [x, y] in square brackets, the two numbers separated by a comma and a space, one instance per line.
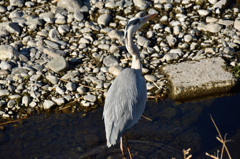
[195, 79]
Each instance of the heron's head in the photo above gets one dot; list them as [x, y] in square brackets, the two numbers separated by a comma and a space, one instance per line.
[136, 23]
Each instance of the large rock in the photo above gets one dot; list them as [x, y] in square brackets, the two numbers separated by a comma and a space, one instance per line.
[58, 64]
[194, 79]
[8, 52]
[70, 5]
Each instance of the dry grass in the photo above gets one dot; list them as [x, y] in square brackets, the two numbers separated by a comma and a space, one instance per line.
[187, 155]
[223, 141]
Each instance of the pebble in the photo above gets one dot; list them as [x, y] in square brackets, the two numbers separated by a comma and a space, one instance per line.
[70, 5]
[237, 24]
[4, 92]
[81, 90]
[26, 100]
[71, 86]
[171, 40]
[17, 2]
[110, 61]
[115, 70]
[47, 104]
[104, 19]
[40, 47]
[91, 98]
[59, 90]
[59, 101]
[11, 104]
[150, 78]
[141, 4]
[3, 9]
[170, 57]
[52, 79]
[54, 35]
[8, 52]
[211, 27]
[222, 4]
[63, 29]
[5, 66]
[14, 96]
[142, 41]
[78, 15]
[58, 64]
[203, 12]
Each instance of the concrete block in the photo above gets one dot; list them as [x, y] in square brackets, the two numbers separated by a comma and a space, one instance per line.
[196, 79]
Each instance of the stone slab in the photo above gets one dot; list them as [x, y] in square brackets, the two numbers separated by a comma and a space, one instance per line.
[196, 79]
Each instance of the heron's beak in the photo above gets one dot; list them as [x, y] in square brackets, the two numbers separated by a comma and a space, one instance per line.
[148, 17]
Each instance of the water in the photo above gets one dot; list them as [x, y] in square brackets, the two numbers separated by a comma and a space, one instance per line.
[173, 127]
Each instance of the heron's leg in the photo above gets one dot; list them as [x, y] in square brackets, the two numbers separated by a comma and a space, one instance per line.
[127, 146]
[121, 147]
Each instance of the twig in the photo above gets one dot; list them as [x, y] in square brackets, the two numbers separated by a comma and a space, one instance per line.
[214, 157]
[70, 105]
[13, 121]
[147, 118]
[155, 84]
[152, 97]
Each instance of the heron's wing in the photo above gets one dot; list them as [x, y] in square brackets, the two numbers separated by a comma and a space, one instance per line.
[124, 104]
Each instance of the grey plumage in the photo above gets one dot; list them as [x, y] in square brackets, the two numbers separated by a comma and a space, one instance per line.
[126, 98]
[124, 104]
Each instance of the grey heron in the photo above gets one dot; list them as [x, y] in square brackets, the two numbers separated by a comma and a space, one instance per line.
[127, 96]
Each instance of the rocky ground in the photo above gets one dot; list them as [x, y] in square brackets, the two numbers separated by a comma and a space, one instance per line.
[55, 53]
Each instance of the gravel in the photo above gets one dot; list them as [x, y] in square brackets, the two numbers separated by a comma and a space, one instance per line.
[53, 53]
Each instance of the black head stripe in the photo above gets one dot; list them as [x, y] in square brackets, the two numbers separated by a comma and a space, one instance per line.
[132, 22]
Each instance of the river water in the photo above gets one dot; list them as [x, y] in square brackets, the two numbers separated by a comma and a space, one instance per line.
[174, 127]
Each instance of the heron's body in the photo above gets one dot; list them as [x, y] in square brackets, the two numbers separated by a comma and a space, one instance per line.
[126, 98]
[123, 108]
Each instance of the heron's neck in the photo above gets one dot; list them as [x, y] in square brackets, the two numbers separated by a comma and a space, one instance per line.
[132, 49]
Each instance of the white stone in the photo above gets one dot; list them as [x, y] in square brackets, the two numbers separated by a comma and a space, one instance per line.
[59, 101]
[203, 12]
[91, 98]
[71, 86]
[26, 100]
[47, 104]
[151, 78]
